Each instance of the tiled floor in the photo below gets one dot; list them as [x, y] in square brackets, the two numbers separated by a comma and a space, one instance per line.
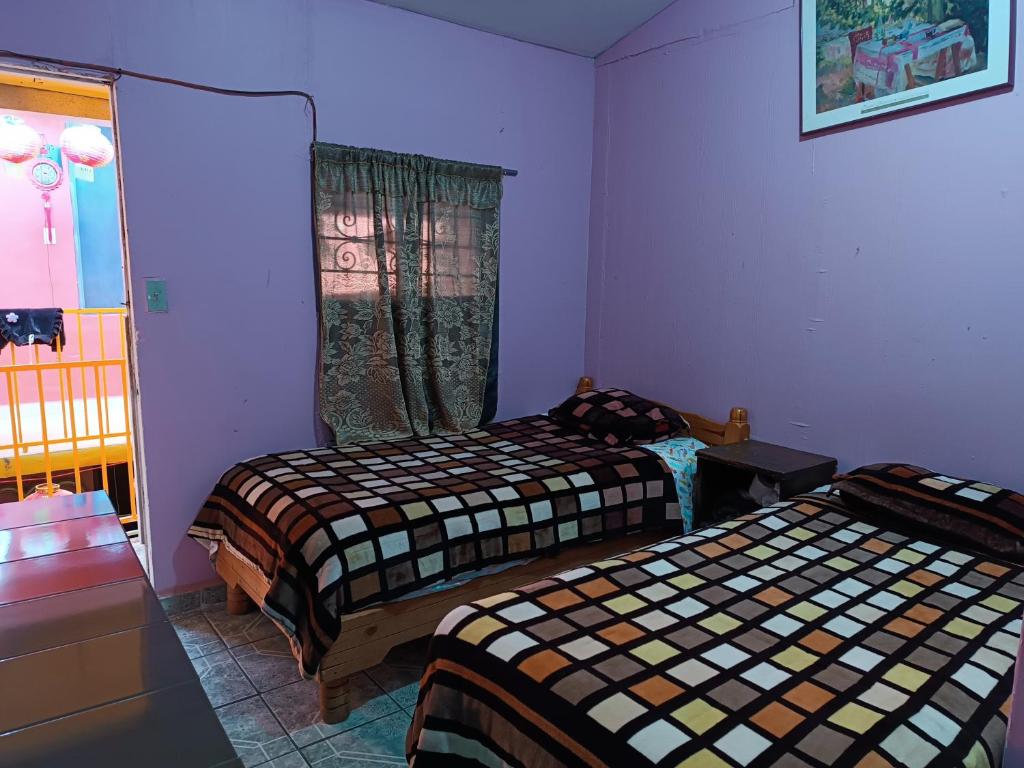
[271, 715]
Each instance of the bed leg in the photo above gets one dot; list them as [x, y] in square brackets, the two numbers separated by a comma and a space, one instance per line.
[238, 601]
[334, 701]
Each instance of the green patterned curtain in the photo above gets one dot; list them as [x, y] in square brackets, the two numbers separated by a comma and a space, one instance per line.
[408, 256]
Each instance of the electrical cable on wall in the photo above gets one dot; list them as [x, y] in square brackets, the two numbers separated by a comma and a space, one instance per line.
[116, 73]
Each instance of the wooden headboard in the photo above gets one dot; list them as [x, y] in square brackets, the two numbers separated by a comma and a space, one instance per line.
[735, 430]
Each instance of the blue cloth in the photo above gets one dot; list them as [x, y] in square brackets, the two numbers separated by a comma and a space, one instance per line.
[680, 453]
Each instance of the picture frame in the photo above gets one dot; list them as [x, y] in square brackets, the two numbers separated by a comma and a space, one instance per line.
[864, 60]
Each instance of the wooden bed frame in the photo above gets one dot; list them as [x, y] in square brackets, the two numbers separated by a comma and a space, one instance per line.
[369, 635]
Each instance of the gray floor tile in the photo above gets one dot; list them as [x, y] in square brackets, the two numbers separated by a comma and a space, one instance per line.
[380, 742]
[254, 732]
[268, 663]
[297, 707]
[197, 635]
[401, 671]
[355, 762]
[180, 603]
[400, 681]
[240, 630]
[213, 596]
[222, 678]
[291, 760]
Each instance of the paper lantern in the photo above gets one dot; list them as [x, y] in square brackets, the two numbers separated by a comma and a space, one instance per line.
[86, 145]
[18, 141]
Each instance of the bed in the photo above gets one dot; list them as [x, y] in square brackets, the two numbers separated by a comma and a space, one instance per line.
[803, 635]
[352, 550]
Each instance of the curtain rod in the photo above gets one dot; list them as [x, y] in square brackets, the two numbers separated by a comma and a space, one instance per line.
[509, 172]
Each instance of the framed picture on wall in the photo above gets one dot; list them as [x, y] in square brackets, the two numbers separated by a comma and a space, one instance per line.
[861, 59]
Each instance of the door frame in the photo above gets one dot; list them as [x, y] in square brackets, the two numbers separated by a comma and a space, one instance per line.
[51, 78]
[138, 442]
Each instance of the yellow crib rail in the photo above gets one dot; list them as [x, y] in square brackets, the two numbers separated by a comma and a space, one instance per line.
[90, 430]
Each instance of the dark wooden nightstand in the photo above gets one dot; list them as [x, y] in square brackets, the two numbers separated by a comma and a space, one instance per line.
[725, 474]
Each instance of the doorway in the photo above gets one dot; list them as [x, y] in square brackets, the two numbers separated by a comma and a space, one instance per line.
[67, 385]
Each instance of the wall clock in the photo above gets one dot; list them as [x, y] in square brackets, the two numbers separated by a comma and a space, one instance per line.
[45, 174]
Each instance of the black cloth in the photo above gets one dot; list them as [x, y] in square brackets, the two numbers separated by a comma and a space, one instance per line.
[32, 326]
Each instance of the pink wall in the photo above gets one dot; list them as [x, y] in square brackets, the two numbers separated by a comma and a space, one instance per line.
[859, 292]
[217, 199]
[25, 262]
[38, 275]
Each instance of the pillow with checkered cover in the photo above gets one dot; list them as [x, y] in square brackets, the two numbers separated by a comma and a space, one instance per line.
[966, 513]
[618, 417]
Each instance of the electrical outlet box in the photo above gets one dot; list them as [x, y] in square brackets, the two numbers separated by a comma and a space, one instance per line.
[156, 294]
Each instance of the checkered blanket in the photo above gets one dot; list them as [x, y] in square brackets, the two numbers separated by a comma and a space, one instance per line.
[334, 530]
[797, 636]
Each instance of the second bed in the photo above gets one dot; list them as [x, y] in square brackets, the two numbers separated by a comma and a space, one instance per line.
[818, 632]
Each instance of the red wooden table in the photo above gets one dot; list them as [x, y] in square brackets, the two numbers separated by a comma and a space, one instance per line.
[91, 672]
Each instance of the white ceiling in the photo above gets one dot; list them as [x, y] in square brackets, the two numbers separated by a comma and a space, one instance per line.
[585, 27]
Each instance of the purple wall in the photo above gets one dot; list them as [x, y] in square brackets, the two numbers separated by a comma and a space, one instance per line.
[861, 292]
[217, 201]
